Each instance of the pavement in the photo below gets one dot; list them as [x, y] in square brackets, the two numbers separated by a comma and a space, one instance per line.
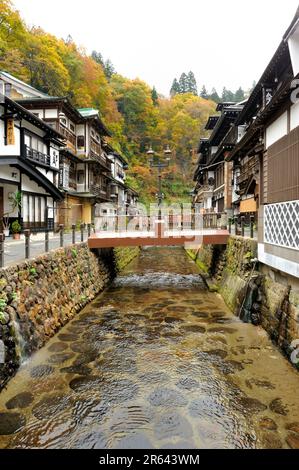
[14, 250]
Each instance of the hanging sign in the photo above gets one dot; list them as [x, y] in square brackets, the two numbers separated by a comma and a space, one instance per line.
[10, 133]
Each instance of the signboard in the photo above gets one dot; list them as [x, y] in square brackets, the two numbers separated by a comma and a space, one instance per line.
[10, 132]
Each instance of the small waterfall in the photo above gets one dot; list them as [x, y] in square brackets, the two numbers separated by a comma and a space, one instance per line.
[250, 309]
[20, 343]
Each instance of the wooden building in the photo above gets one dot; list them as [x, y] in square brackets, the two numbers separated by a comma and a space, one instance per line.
[29, 165]
[213, 175]
[266, 159]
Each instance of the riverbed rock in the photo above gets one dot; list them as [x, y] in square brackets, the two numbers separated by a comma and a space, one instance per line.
[41, 371]
[11, 423]
[293, 440]
[267, 424]
[22, 400]
[58, 347]
[278, 407]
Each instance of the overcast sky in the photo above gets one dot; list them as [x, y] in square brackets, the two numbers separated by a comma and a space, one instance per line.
[225, 42]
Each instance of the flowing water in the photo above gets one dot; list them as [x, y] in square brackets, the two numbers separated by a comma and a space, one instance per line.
[156, 361]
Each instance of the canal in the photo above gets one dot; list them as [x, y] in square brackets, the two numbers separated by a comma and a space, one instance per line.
[156, 361]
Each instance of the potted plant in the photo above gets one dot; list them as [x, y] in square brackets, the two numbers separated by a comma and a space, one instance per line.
[15, 200]
[16, 230]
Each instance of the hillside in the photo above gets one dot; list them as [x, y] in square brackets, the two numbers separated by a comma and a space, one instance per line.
[136, 115]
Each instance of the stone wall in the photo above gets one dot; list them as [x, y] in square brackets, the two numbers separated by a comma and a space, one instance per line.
[39, 296]
[253, 291]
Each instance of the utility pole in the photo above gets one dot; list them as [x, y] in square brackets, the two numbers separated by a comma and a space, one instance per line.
[156, 162]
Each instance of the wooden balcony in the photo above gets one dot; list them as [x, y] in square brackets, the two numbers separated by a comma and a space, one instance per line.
[37, 157]
[248, 170]
[70, 137]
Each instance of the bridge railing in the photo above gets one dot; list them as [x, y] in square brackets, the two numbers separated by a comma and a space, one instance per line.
[145, 223]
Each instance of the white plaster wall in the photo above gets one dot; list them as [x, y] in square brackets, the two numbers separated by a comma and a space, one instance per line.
[48, 174]
[51, 113]
[31, 186]
[294, 118]
[6, 172]
[32, 128]
[277, 129]
[281, 264]
[293, 43]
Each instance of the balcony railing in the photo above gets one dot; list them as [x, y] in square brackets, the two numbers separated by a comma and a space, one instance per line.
[37, 157]
[95, 147]
[247, 170]
[70, 137]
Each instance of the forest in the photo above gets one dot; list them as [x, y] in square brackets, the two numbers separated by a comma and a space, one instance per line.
[136, 115]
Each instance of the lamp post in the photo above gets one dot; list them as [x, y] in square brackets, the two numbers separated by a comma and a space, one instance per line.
[156, 162]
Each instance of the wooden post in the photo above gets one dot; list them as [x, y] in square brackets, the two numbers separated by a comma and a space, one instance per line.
[88, 230]
[242, 225]
[82, 232]
[1, 250]
[27, 243]
[230, 225]
[236, 225]
[61, 227]
[251, 226]
[46, 240]
[73, 234]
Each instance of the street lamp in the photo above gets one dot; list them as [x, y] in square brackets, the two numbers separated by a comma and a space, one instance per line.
[155, 162]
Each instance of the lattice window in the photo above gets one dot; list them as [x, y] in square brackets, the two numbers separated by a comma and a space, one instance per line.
[281, 224]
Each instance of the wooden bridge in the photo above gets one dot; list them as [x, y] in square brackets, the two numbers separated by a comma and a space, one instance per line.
[112, 232]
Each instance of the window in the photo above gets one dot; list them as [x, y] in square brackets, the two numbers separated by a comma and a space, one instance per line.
[7, 89]
[34, 211]
[72, 127]
[80, 141]
[80, 176]
[63, 122]
[92, 133]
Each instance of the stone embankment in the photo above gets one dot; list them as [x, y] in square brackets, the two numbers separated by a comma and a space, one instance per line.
[252, 291]
[39, 296]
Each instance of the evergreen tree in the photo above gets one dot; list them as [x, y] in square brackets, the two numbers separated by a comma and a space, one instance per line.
[191, 83]
[227, 96]
[175, 88]
[204, 93]
[98, 58]
[109, 69]
[239, 95]
[155, 96]
[184, 83]
[214, 96]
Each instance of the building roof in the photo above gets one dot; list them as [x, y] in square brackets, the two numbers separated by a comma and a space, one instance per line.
[212, 121]
[94, 115]
[25, 114]
[63, 102]
[228, 117]
[11, 78]
[278, 64]
[225, 104]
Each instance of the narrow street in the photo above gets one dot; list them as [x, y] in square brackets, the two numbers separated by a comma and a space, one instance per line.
[156, 361]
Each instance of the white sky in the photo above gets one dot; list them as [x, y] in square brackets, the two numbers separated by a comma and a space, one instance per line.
[225, 42]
